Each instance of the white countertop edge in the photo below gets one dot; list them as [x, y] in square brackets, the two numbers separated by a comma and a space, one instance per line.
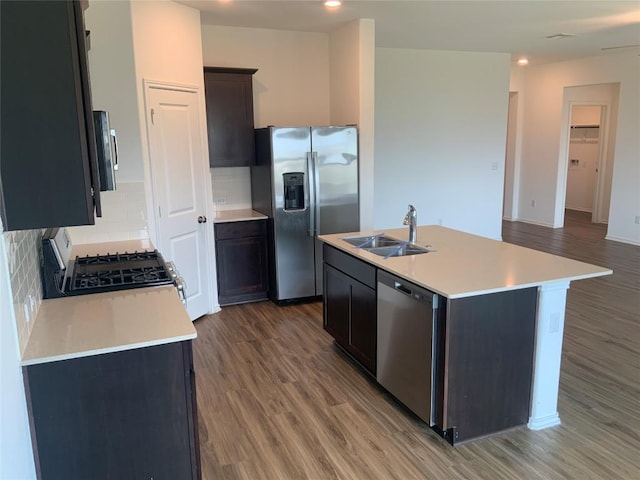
[243, 215]
[511, 287]
[114, 349]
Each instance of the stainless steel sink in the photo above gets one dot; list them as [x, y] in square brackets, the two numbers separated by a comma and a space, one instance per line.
[403, 250]
[373, 241]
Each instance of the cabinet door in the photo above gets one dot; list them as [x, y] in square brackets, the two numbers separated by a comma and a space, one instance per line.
[48, 170]
[127, 414]
[363, 325]
[337, 304]
[229, 101]
[241, 259]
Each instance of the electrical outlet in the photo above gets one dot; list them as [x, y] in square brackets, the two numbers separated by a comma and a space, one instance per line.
[533, 203]
[494, 166]
[440, 221]
[221, 201]
[637, 219]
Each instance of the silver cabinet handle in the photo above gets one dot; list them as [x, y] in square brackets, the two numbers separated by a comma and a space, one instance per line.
[112, 132]
[202, 219]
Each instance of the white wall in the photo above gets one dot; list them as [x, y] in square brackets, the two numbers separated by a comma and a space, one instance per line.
[113, 80]
[114, 89]
[291, 86]
[441, 122]
[581, 178]
[352, 93]
[16, 457]
[167, 48]
[585, 115]
[544, 118]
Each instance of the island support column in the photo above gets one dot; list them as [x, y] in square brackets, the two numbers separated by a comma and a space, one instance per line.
[552, 299]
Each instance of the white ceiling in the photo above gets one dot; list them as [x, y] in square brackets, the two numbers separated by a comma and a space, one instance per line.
[518, 27]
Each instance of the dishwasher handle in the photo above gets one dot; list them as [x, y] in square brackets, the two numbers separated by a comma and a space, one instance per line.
[402, 288]
[416, 292]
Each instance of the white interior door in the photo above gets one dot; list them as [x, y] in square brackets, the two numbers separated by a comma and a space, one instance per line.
[178, 170]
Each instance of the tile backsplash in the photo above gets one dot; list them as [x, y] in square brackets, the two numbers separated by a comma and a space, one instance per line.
[124, 217]
[23, 256]
[231, 188]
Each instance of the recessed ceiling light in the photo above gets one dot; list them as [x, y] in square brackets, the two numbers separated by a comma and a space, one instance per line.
[558, 36]
[332, 3]
[523, 61]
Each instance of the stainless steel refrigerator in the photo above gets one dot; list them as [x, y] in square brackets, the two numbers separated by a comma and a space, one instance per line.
[306, 181]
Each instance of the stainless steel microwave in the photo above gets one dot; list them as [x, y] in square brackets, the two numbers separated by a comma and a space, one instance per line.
[107, 149]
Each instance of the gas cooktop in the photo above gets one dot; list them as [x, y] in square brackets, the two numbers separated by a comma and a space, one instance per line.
[118, 271]
[101, 273]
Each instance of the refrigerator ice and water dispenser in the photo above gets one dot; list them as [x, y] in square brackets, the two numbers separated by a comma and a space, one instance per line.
[293, 190]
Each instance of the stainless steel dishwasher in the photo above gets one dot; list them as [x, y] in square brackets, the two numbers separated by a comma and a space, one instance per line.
[406, 316]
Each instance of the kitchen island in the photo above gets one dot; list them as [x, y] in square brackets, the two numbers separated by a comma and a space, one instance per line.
[478, 279]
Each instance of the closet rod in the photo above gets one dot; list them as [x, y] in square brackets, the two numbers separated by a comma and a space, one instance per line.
[585, 126]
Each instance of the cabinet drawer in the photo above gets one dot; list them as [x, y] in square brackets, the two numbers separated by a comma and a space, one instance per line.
[361, 271]
[249, 228]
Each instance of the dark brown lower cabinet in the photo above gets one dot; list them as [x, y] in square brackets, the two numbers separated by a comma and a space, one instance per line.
[484, 364]
[350, 305]
[129, 414]
[241, 259]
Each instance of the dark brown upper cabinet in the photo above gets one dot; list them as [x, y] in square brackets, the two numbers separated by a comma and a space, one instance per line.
[229, 100]
[48, 170]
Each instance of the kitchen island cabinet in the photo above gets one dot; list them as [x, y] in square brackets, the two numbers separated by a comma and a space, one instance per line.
[48, 173]
[241, 260]
[499, 336]
[229, 102]
[484, 363]
[350, 305]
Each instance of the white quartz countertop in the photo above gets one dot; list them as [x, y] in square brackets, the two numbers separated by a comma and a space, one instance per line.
[243, 215]
[84, 325]
[464, 265]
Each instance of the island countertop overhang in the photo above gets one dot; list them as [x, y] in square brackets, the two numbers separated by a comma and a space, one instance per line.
[462, 264]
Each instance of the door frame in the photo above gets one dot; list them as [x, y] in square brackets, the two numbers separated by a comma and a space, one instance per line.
[513, 147]
[599, 187]
[151, 188]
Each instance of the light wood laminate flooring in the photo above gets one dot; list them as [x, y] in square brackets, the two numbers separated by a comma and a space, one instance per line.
[277, 400]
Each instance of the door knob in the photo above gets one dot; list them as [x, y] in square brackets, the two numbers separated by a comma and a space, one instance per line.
[202, 219]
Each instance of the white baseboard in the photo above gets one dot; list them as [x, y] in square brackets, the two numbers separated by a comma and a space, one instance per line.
[622, 240]
[534, 222]
[544, 422]
[578, 209]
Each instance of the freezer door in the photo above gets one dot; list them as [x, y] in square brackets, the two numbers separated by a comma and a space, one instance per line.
[293, 229]
[335, 157]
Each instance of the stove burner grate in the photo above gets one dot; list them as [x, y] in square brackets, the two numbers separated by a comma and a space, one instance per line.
[118, 271]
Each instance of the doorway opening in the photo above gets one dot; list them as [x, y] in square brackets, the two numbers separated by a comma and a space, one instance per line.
[587, 152]
[584, 161]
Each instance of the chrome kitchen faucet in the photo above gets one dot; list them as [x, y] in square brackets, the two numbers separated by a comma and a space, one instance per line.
[411, 219]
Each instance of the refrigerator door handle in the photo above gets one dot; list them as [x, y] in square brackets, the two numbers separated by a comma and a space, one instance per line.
[312, 192]
[316, 189]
